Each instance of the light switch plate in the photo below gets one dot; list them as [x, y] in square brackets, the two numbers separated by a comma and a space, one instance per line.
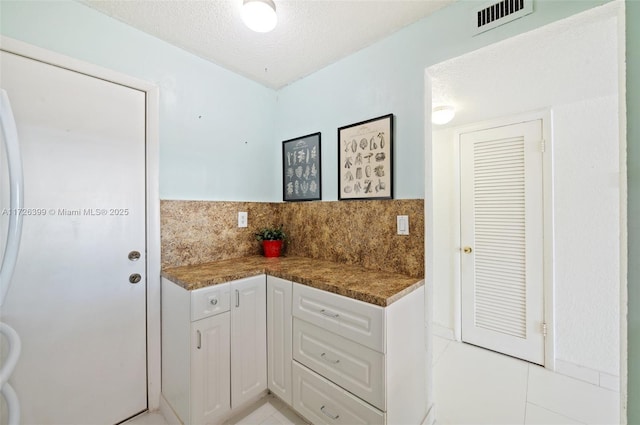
[243, 221]
[403, 224]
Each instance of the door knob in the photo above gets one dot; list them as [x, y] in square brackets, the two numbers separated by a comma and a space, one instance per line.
[135, 278]
[467, 250]
[134, 256]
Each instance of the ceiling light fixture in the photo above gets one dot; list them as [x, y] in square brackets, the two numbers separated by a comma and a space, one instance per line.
[442, 114]
[259, 15]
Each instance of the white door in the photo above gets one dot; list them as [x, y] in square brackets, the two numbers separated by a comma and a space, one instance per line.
[81, 321]
[210, 369]
[248, 339]
[279, 335]
[502, 239]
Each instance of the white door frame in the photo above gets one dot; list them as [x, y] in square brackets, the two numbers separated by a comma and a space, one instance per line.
[153, 196]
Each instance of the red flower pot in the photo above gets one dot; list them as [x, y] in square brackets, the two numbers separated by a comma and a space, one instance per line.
[272, 248]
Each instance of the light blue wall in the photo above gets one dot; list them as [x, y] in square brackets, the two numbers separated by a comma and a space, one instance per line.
[633, 211]
[216, 128]
[220, 133]
[388, 77]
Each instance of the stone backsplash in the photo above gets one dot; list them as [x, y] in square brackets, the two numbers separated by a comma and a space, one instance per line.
[358, 232]
[195, 232]
[352, 232]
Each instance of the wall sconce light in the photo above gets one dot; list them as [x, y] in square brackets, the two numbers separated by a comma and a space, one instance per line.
[442, 114]
[259, 15]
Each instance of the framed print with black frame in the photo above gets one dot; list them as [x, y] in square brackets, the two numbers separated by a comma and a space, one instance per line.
[365, 159]
[301, 172]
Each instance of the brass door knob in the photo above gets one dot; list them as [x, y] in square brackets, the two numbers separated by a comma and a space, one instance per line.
[467, 250]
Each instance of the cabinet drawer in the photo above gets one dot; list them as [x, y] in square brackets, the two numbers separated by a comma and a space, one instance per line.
[209, 301]
[323, 402]
[353, 319]
[354, 367]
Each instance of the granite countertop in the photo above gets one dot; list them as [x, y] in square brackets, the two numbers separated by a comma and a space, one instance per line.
[371, 286]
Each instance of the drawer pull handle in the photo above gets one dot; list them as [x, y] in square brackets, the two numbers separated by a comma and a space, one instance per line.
[213, 301]
[329, 313]
[323, 356]
[329, 415]
[237, 298]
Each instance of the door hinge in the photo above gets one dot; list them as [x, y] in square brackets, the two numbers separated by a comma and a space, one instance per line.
[544, 329]
[543, 146]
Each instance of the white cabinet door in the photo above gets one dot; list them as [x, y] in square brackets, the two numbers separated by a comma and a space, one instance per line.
[356, 320]
[354, 367]
[279, 331]
[249, 342]
[323, 402]
[210, 369]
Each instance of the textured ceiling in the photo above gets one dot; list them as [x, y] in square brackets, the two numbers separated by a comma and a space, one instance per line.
[310, 35]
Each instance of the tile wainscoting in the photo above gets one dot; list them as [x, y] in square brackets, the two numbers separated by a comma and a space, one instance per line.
[351, 232]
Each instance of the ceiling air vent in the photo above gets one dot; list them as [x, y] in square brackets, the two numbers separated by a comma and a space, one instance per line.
[496, 14]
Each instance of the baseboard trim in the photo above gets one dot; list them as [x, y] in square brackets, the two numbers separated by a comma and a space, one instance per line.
[443, 332]
[430, 419]
[167, 412]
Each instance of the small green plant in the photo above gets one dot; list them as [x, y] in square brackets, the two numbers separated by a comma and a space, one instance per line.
[271, 234]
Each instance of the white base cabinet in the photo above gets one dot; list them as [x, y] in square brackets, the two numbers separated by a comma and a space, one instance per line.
[334, 359]
[356, 362]
[213, 348]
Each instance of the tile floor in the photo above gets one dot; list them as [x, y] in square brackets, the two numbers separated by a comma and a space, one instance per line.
[267, 411]
[477, 386]
[149, 418]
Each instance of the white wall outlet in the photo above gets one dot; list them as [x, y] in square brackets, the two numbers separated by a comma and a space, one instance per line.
[403, 224]
[243, 221]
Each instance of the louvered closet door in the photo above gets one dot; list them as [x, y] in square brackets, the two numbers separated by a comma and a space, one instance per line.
[501, 239]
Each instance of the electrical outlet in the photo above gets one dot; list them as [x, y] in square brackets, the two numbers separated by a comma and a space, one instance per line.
[403, 224]
[243, 221]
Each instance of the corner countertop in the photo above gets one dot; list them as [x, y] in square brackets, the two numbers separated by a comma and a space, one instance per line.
[371, 286]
